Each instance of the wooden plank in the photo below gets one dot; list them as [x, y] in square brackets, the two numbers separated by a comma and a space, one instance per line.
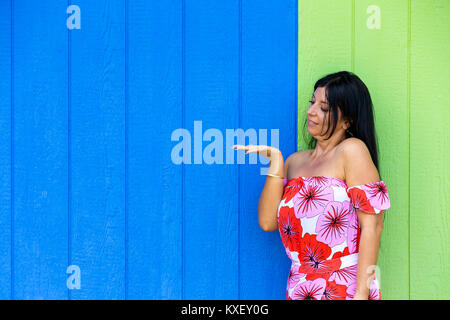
[5, 150]
[269, 101]
[325, 36]
[384, 69]
[210, 192]
[154, 181]
[430, 84]
[98, 150]
[40, 220]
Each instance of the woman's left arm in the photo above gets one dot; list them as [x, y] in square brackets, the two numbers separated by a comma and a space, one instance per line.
[360, 169]
[369, 243]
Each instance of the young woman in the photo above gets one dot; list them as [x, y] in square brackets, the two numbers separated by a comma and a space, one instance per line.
[328, 209]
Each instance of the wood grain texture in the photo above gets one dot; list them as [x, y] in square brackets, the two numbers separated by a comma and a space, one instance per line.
[39, 149]
[384, 69]
[269, 99]
[6, 201]
[324, 46]
[87, 176]
[155, 184]
[430, 175]
[403, 64]
[210, 192]
[98, 150]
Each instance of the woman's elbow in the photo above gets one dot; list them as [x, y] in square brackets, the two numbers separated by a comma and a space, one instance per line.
[371, 223]
[379, 226]
[268, 227]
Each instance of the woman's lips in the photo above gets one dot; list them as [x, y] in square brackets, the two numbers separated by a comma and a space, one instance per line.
[310, 123]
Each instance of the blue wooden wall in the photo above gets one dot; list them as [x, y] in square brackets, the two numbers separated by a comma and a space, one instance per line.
[86, 118]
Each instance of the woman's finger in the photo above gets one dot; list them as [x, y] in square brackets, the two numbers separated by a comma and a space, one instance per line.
[253, 149]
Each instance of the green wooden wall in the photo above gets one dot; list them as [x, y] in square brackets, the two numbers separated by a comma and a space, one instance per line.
[404, 63]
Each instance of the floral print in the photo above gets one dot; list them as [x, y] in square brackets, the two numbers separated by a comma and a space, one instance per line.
[310, 290]
[371, 198]
[291, 188]
[313, 257]
[345, 276]
[290, 228]
[320, 231]
[333, 223]
[334, 291]
[374, 292]
[310, 200]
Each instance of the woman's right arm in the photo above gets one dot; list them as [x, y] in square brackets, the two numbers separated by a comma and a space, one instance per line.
[273, 188]
[272, 193]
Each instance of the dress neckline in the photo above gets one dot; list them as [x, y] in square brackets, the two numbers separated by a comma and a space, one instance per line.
[328, 177]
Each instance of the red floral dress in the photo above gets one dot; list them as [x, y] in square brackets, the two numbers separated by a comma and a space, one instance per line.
[320, 231]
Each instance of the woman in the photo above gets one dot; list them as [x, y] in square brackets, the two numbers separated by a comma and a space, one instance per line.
[328, 210]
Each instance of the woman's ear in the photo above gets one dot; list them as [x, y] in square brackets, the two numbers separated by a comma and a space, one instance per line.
[348, 123]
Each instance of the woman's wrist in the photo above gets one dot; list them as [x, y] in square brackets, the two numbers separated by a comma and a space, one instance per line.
[360, 296]
[276, 166]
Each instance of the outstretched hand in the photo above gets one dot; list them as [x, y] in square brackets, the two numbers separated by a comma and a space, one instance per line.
[263, 150]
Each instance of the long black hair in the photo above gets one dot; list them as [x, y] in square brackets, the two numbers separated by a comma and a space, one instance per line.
[346, 90]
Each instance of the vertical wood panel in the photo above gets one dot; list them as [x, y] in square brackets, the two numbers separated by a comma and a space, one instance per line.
[269, 101]
[114, 216]
[40, 150]
[155, 185]
[98, 150]
[430, 174]
[337, 38]
[5, 149]
[218, 250]
[384, 69]
[210, 191]
[325, 46]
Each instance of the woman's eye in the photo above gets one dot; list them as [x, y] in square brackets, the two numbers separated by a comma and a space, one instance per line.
[312, 102]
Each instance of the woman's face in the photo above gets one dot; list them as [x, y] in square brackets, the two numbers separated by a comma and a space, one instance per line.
[317, 115]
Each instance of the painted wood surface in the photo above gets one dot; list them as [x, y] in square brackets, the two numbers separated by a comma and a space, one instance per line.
[87, 115]
[404, 63]
[87, 175]
[39, 250]
[97, 136]
[430, 174]
[6, 108]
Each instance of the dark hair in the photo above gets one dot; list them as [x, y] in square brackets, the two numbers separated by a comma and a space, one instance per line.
[346, 90]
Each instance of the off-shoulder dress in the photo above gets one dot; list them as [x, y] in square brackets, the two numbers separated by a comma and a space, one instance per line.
[320, 231]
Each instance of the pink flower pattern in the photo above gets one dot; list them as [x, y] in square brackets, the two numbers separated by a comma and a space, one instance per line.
[311, 200]
[374, 291]
[310, 290]
[333, 223]
[323, 242]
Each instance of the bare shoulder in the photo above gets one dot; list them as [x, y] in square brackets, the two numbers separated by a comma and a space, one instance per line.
[358, 165]
[353, 147]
